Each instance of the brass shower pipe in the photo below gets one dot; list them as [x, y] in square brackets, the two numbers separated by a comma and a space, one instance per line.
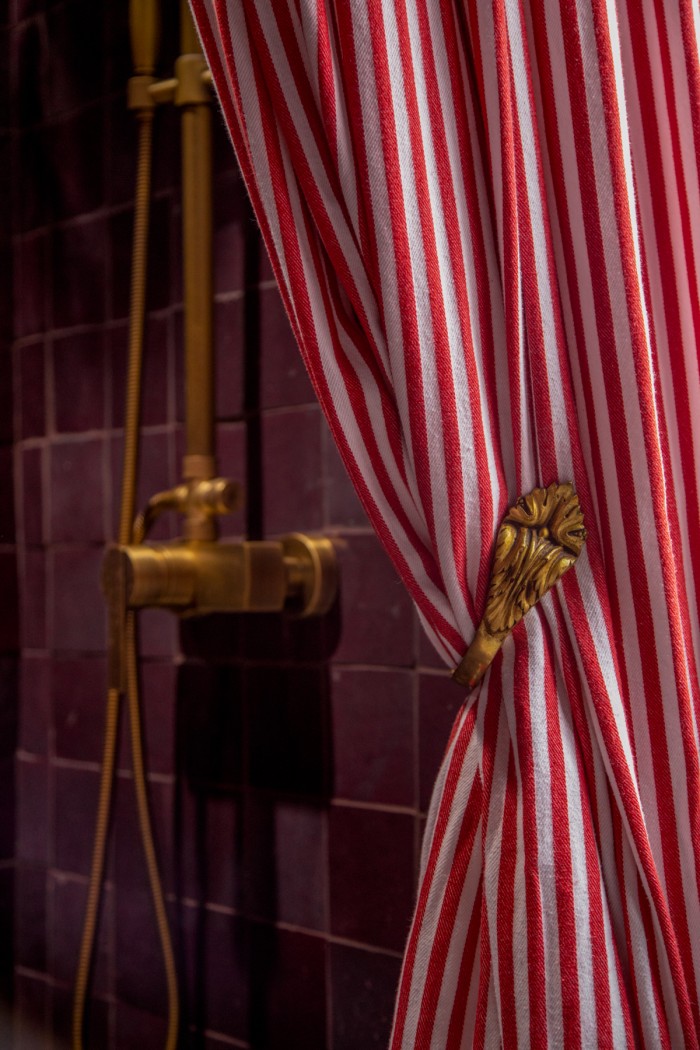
[199, 575]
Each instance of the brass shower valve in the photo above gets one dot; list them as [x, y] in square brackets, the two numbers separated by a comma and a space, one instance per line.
[297, 573]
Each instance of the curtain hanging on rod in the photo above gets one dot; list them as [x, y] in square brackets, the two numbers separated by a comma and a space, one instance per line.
[484, 218]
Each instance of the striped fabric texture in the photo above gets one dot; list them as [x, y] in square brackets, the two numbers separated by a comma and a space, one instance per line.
[484, 217]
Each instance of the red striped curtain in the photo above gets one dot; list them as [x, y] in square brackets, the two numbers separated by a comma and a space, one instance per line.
[484, 217]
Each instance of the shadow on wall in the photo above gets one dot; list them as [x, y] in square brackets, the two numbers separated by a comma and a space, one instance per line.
[255, 776]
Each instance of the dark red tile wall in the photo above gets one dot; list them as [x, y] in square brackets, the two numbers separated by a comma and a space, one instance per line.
[9, 636]
[290, 762]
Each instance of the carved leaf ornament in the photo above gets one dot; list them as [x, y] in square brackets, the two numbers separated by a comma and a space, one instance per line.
[539, 539]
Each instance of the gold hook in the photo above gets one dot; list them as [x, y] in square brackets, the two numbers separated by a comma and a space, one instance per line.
[540, 538]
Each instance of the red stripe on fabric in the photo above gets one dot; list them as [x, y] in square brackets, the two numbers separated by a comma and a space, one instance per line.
[326, 81]
[461, 743]
[538, 371]
[351, 84]
[504, 916]
[535, 929]
[680, 187]
[510, 253]
[692, 68]
[629, 976]
[444, 932]
[455, 1029]
[592, 833]
[561, 835]
[665, 1040]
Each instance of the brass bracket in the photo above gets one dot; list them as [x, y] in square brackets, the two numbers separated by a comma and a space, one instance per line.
[540, 538]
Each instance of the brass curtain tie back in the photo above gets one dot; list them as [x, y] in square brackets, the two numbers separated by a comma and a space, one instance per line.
[539, 539]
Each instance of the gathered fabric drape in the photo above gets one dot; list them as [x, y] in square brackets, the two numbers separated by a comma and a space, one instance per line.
[484, 218]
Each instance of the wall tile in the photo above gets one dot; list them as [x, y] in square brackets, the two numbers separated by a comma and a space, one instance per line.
[28, 86]
[32, 595]
[136, 1029]
[284, 874]
[7, 503]
[79, 621]
[76, 187]
[34, 704]
[158, 277]
[30, 917]
[210, 725]
[75, 71]
[33, 496]
[377, 616]
[158, 679]
[364, 986]
[130, 870]
[283, 376]
[120, 151]
[158, 630]
[78, 692]
[31, 285]
[217, 977]
[155, 403]
[32, 996]
[32, 401]
[75, 807]
[343, 505]
[371, 885]
[292, 471]
[31, 203]
[67, 901]
[97, 1024]
[208, 846]
[78, 268]
[78, 382]
[32, 812]
[77, 491]
[7, 922]
[140, 978]
[286, 711]
[439, 702]
[232, 223]
[229, 341]
[373, 734]
[287, 1013]
[428, 655]
[9, 817]
[9, 715]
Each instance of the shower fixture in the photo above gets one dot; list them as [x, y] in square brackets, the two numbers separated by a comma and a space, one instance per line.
[197, 574]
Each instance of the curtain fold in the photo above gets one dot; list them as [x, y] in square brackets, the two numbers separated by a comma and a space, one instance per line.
[484, 218]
